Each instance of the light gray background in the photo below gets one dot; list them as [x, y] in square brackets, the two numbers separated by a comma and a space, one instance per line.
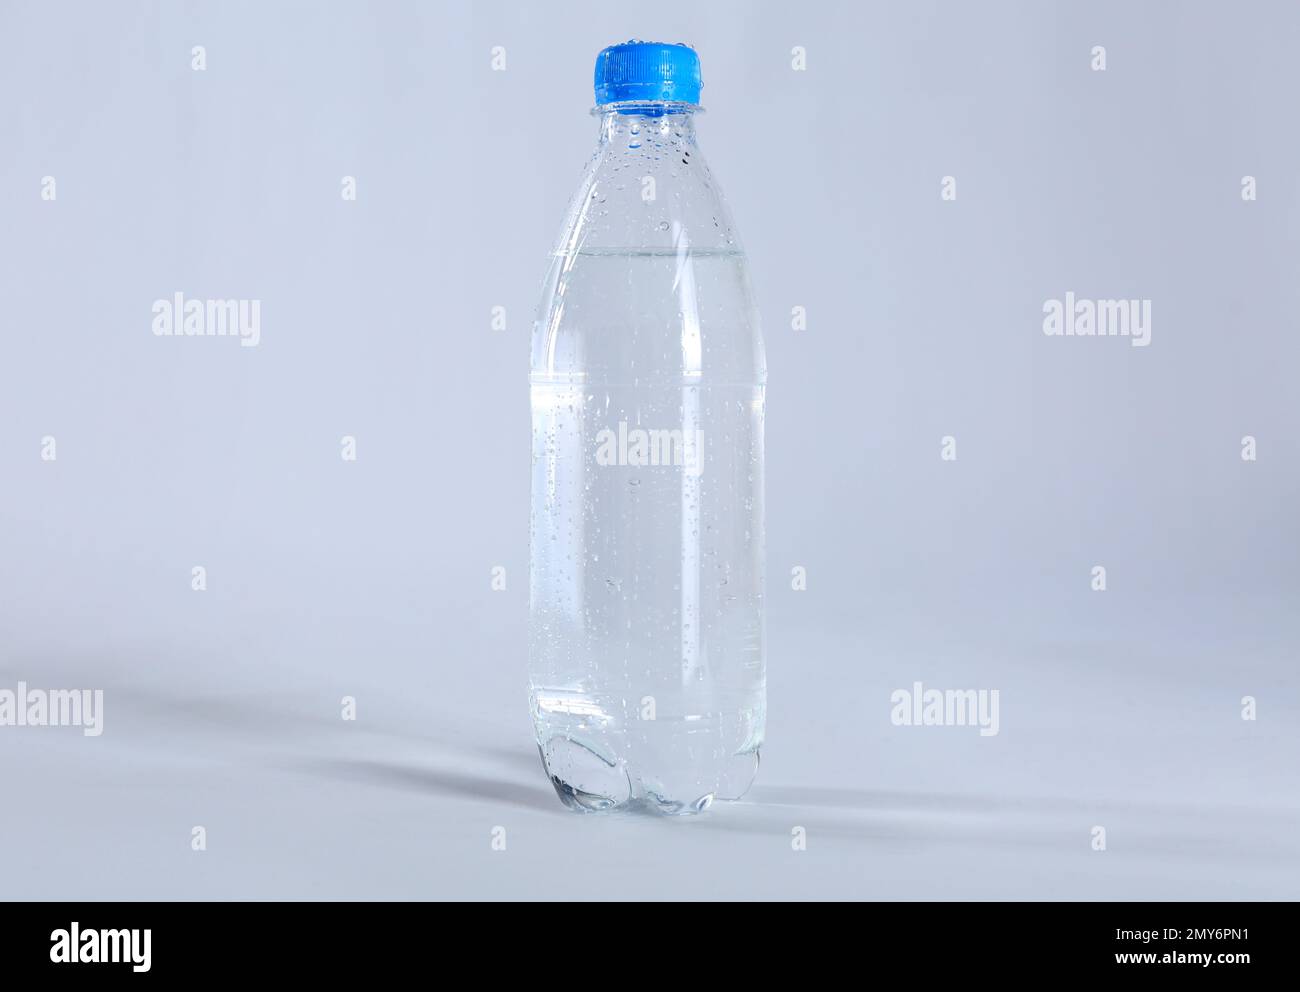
[372, 578]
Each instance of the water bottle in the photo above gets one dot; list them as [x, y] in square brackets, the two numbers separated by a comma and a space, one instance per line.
[646, 640]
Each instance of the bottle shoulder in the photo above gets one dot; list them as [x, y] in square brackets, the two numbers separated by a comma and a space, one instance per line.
[648, 275]
[648, 186]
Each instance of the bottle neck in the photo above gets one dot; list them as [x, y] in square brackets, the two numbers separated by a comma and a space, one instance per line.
[629, 124]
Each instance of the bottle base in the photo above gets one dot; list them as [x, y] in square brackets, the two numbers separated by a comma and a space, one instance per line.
[587, 780]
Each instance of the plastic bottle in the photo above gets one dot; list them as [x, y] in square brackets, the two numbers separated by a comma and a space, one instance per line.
[646, 640]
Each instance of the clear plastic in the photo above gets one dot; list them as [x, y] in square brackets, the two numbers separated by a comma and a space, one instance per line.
[646, 646]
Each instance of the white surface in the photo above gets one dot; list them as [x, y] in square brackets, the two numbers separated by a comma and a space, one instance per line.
[297, 803]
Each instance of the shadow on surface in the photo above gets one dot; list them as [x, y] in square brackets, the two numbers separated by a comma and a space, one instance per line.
[416, 779]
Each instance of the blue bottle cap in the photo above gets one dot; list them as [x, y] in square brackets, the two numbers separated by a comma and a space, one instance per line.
[648, 71]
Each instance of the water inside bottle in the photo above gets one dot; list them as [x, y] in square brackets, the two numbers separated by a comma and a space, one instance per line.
[646, 592]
